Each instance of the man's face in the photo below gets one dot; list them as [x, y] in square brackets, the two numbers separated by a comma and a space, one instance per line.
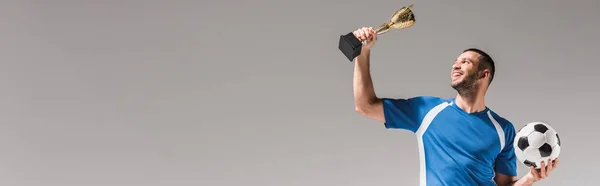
[464, 71]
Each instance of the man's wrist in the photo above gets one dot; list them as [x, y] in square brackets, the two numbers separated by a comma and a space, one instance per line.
[366, 49]
[526, 180]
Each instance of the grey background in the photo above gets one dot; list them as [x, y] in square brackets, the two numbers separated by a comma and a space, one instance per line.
[215, 93]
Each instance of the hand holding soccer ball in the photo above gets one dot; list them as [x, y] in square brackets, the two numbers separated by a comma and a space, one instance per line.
[537, 146]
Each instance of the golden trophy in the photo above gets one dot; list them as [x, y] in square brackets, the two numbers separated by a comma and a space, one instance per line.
[351, 46]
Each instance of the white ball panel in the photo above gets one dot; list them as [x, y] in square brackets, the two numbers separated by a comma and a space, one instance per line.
[532, 154]
[555, 152]
[536, 139]
[551, 137]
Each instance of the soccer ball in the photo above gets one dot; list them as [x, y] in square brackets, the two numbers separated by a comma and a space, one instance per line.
[536, 142]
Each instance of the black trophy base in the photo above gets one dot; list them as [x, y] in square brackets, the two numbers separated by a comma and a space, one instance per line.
[350, 46]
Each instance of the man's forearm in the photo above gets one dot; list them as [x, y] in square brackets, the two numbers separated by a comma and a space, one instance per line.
[364, 93]
[526, 180]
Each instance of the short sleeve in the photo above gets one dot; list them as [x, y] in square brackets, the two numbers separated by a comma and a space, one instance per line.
[506, 162]
[407, 113]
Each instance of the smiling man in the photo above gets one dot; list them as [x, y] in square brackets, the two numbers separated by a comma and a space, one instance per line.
[461, 141]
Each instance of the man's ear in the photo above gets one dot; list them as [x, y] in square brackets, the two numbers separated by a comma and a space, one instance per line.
[484, 73]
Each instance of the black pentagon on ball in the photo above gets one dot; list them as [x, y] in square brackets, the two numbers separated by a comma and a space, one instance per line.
[545, 150]
[557, 139]
[529, 163]
[540, 128]
[523, 143]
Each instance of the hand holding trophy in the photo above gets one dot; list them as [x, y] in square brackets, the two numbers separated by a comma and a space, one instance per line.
[351, 45]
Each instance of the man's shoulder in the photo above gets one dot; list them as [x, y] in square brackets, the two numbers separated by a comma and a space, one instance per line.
[502, 121]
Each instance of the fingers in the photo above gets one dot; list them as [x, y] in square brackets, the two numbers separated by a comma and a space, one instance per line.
[365, 33]
[535, 173]
[546, 167]
[369, 36]
[373, 33]
[360, 34]
[550, 167]
[543, 170]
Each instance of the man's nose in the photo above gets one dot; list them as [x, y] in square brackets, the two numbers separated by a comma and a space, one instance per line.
[456, 66]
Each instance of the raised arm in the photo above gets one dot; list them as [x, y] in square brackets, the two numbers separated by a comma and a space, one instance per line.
[366, 101]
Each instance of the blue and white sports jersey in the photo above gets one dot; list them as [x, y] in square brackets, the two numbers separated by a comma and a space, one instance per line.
[455, 147]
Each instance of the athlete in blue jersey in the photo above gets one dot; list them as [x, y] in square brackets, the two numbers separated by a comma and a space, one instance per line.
[461, 141]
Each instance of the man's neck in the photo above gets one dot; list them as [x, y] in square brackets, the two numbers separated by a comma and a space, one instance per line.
[470, 102]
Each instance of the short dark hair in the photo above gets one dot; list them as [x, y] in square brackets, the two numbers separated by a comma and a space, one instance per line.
[485, 62]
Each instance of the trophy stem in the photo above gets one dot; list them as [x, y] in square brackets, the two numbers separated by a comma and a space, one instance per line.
[382, 29]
